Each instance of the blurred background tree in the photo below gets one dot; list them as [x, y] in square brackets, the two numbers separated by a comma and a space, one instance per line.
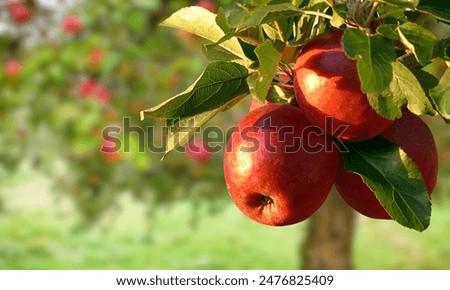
[70, 69]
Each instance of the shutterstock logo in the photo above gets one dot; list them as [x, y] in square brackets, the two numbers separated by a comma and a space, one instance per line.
[311, 139]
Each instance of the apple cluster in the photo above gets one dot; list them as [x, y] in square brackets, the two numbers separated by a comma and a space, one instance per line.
[280, 163]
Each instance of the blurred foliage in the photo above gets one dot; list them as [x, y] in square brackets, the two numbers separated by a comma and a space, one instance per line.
[50, 114]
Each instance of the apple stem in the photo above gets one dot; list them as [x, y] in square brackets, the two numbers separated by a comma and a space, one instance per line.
[284, 86]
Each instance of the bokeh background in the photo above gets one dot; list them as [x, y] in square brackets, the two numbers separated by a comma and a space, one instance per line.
[74, 68]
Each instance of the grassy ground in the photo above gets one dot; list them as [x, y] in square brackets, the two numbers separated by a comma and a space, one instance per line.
[36, 233]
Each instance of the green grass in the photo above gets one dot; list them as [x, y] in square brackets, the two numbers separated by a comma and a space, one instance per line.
[36, 233]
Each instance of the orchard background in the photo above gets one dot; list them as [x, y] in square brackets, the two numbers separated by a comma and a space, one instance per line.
[66, 205]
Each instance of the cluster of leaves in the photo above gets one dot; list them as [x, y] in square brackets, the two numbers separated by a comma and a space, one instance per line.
[45, 117]
[251, 48]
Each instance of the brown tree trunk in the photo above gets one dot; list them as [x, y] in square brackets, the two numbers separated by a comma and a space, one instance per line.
[328, 244]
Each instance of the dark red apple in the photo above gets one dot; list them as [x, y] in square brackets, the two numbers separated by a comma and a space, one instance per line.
[415, 138]
[326, 84]
[19, 12]
[71, 24]
[198, 150]
[276, 165]
[12, 68]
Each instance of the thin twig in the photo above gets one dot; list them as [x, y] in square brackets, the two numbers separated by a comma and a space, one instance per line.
[317, 13]
[356, 11]
[371, 14]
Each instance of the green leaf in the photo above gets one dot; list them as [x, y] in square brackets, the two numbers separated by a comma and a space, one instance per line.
[269, 58]
[438, 8]
[388, 31]
[219, 83]
[218, 53]
[443, 48]
[338, 17]
[404, 89]
[426, 80]
[373, 55]
[441, 96]
[265, 14]
[403, 3]
[222, 21]
[419, 40]
[394, 178]
[180, 130]
[385, 106]
[202, 22]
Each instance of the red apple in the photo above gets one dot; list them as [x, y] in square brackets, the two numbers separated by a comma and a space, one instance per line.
[71, 24]
[19, 12]
[415, 138]
[12, 68]
[326, 84]
[198, 150]
[276, 165]
[412, 134]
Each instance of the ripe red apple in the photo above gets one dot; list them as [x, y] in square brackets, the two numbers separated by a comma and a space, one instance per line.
[415, 138]
[71, 24]
[109, 151]
[19, 12]
[12, 68]
[276, 167]
[326, 84]
[198, 150]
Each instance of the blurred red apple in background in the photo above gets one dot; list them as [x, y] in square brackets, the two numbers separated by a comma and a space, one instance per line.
[109, 150]
[198, 151]
[71, 24]
[95, 58]
[12, 68]
[87, 87]
[19, 12]
[91, 88]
